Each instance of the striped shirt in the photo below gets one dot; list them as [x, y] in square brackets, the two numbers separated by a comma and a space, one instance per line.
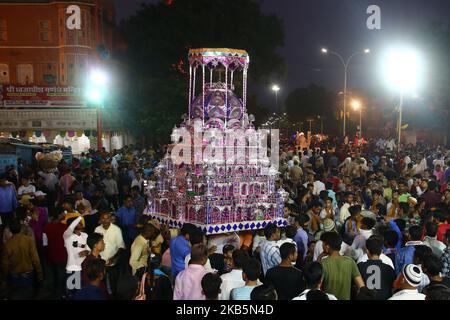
[270, 255]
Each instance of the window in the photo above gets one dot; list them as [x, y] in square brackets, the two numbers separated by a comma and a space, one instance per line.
[3, 31]
[25, 73]
[45, 31]
[49, 73]
[44, 24]
[4, 73]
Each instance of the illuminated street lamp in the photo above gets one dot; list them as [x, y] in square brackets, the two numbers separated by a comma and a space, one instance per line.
[402, 69]
[357, 107]
[96, 92]
[276, 88]
[345, 63]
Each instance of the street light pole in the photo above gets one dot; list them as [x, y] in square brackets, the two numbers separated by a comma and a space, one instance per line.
[99, 129]
[345, 64]
[400, 109]
[360, 123]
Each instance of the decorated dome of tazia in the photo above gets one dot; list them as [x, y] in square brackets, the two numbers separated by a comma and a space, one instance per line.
[219, 108]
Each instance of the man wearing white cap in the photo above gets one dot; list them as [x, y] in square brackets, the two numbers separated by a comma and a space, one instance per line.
[329, 225]
[408, 281]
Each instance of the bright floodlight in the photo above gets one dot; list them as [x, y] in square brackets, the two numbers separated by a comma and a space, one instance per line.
[98, 77]
[95, 95]
[324, 50]
[367, 51]
[275, 88]
[356, 104]
[402, 69]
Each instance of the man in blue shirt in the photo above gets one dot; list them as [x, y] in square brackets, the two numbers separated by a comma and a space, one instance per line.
[127, 220]
[95, 274]
[180, 248]
[405, 255]
[301, 237]
[8, 200]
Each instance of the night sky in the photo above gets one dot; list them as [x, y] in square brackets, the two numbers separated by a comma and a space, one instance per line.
[340, 25]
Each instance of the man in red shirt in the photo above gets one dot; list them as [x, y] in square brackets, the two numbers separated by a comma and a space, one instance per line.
[443, 225]
[56, 253]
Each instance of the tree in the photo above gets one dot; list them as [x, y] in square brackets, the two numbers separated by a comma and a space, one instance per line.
[158, 38]
[312, 101]
[436, 39]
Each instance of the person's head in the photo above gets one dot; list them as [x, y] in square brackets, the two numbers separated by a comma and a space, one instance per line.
[431, 229]
[251, 270]
[109, 174]
[96, 270]
[316, 207]
[323, 195]
[349, 197]
[374, 246]
[95, 242]
[354, 210]
[367, 223]
[154, 261]
[239, 258]
[390, 238]
[186, 230]
[415, 233]
[290, 232]
[432, 265]
[420, 253]
[409, 278]
[313, 275]
[438, 292]
[272, 232]
[135, 191]
[105, 219]
[366, 294]
[227, 252]
[25, 181]
[199, 254]
[424, 184]
[79, 195]
[317, 295]
[211, 283]
[302, 220]
[288, 252]
[403, 208]
[128, 202]
[149, 231]
[127, 287]
[331, 242]
[402, 186]
[15, 226]
[67, 205]
[196, 236]
[79, 227]
[265, 292]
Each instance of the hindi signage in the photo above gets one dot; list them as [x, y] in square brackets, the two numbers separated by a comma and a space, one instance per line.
[11, 95]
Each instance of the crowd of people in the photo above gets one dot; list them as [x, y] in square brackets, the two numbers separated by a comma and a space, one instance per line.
[364, 223]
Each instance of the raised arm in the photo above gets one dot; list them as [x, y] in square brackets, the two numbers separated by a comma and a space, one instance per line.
[72, 227]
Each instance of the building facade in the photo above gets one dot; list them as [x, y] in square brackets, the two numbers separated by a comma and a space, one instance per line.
[47, 50]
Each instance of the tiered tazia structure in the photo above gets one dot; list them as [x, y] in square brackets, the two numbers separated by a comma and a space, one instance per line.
[217, 195]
